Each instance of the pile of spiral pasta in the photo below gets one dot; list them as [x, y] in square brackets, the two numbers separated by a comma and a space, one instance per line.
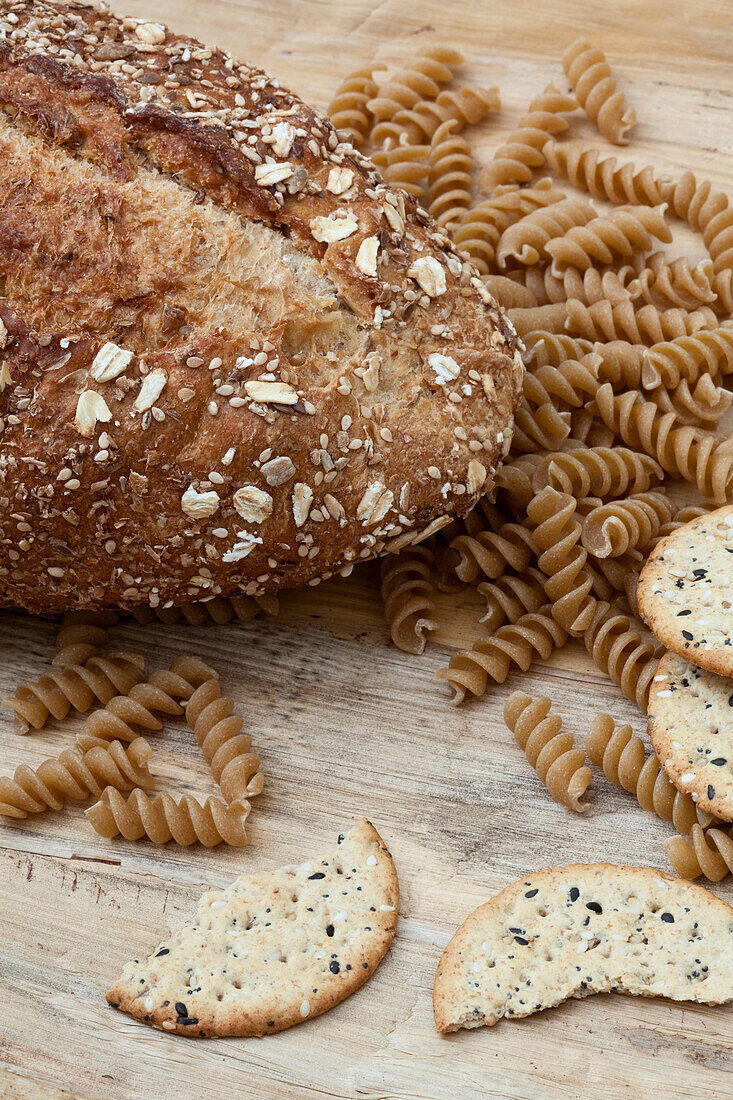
[110, 754]
[628, 353]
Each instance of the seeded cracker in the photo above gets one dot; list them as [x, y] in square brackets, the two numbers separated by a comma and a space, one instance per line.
[691, 729]
[685, 591]
[272, 949]
[584, 929]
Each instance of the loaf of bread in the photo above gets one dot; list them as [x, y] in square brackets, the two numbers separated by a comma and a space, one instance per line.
[231, 357]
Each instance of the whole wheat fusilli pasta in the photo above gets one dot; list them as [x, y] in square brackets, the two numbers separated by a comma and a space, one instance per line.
[605, 472]
[227, 751]
[697, 456]
[510, 597]
[450, 175]
[521, 155]
[590, 169]
[161, 818]
[552, 752]
[556, 531]
[646, 325]
[620, 651]
[465, 106]
[622, 232]
[408, 591]
[675, 285]
[73, 776]
[479, 232]
[701, 853]
[532, 637]
[348, 109]
[526, 241]
[161, 693]
[709, 352]
[421, 79]
[75, 687]
[589, 75]
[622, 756]
[626, 524]
[490, 552]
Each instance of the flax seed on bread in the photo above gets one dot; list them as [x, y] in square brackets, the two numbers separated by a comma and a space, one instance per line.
[231, 357]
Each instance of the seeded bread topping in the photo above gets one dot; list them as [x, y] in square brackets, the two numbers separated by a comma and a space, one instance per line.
[211, 305]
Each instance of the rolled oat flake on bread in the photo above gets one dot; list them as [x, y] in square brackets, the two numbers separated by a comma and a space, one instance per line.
[272, 949]
[584, 929]
[231, 357]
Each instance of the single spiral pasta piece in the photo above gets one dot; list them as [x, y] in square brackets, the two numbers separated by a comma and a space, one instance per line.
[626, 524]
[681, 517]
[540, 428]
[647, 325]
[464, 106]
[405, 166]
[533, 636]
[73, 776]
[723, 287]
[592, 285]
[693, 202]
[509, 293]
[589, 75]
[589, 169]
[348, 109]
[407, 591]
[570, 383]
[510, 597]
[621, 363]
[227, 751]
[549, 318]
[450, 175]
[702, 853]
[709, 352]
[675, 285]
[420, 80]
[526, 241]
[623, 232]
[718, 239]
[622, 756]
[161, 819]
[562, 559]
[704, 405]
[479, 232]
[615, 579]
[490, 552]
[161, 693]
[555, 348]
[697, 456]
[620, 651]
[219, 610]
[76, 687]
[587, 430]
[560, 765]
[605, 472]
[81, 635]
[514, 478]
[522, 153]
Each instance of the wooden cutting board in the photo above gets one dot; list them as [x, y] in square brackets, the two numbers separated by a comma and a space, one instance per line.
[346, 725]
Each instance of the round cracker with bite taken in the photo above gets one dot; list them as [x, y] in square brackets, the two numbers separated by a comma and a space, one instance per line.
[272, 949]
[691, 729]
[685, 591]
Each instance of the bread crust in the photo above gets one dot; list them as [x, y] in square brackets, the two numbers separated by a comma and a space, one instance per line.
[390, 374]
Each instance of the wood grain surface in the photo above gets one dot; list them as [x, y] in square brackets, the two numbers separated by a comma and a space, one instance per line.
[347, 725]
